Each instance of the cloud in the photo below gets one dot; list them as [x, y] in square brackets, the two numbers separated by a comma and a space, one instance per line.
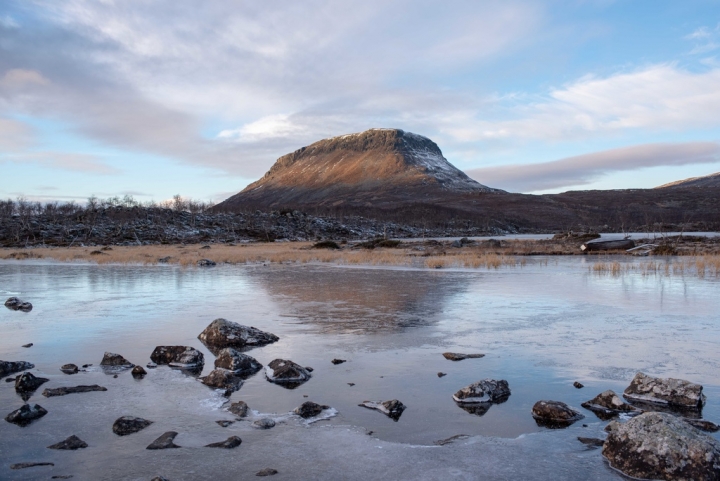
[585, 169]
[72, 161]
[17, 78]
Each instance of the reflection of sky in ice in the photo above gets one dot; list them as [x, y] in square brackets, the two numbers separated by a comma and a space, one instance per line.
[541, 326]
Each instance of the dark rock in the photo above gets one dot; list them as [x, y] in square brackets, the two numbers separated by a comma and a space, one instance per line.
[233, 360]
[164, 442]
[110, 359]
[229, 443]
[62, 391]
[224, 423]
[28, 345]
[159, 478]
[267, 472]
[11, 367]
[338, 361]
[239, 409]
[206, 263]
[607, 404]
[164, 260]
[223, 333]
[11, 379]
[129, 425]
[71, 443]
[184, 357]
[85, 366]
[443, 442]
[283, 371]
[264, 423]
[222, 379]
[28, 383]
[309, 409]
[15, 304]
[115, 376]
[138, 372]
[592, 442]
[392, 409]
[554, 414]
[487, 390]
[441, 374]
[309, 369]
[673, 392]
[702, 425]
[29, 465]
[351, 384]
[62, 476]
[662, 446]
[69, 368]
[26, 415]
[578, 385]
[454, 356]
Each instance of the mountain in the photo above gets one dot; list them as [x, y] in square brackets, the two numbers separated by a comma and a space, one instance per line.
[372, 168]
[712, 180]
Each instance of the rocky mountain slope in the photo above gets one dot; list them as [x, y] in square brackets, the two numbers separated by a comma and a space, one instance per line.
[712, 180]
[372, 168]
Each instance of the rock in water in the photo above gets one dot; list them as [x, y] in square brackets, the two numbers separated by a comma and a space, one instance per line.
[233, 360]
[309, 409]
[129, 425]
[224, 423]
[392, 409]
[16, 304]
[264, 423]
[62, 391]
[702, 425]
[661, 446]
[71, 443]
[554, 414]
[27, 383]
[239, 409]
[591, 442]
[184, 357]
[222, 379]
[338, 361]
[283, 371]
[69, 368]
[164, 442]
[110, 359]
[138, 372]
[26, 415]
[455, 356]
[672, 392]
[578, 385]
[223, 333]
[229, 443]
[607, 404]
[11, 367]
[487, 390]
[29, 465]
[206, 263]
[267, 472]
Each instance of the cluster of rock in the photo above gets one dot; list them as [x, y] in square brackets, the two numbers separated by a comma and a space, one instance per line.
[141, 225]
[15, 304]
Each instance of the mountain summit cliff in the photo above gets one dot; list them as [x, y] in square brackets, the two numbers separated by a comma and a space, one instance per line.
[371, 168]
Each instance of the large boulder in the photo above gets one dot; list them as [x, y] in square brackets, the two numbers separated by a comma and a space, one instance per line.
[607, 404]
[223, 333]
[554, 414]
[16, 304]
[26, 414]
[184, 357]
[662, 446]
[27, 383]
[676, 393]
[485, 391]
[392, 409]
[283, 371]
[11, 367]
[234, 360]
[223, 379]
[239, 409]
[112, 360]
[129, 425]
[309, 409]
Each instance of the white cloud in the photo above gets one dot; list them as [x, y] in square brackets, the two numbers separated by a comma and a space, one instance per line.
[587, 168]
[71, 161]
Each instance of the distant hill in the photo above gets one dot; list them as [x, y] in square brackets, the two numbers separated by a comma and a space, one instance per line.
[372, 168]
[712, 180]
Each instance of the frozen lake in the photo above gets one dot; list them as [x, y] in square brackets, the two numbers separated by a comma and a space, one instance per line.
[541, 326]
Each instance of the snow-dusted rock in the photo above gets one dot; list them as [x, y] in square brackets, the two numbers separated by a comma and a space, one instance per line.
[11, 367]
[607, 404]
[110, 359]
[485, 391]
[283, 371]
[309, 409]
[554, 414]
[234, 360]
[184, 357]
[223, 333]
[671, 392]
[222, 379]
[662, 446]
[392, 409]
[26, 415]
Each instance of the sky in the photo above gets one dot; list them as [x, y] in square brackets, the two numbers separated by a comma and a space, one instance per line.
[199, 98]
